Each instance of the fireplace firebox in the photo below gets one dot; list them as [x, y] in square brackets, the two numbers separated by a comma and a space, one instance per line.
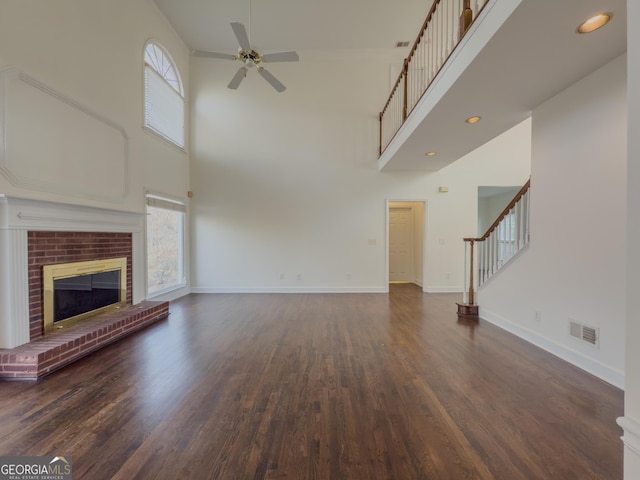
[77, 291]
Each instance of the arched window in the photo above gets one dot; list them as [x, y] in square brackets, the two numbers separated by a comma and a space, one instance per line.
[163, 95]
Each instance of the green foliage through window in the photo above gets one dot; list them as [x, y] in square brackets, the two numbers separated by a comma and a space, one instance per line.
[165, 249]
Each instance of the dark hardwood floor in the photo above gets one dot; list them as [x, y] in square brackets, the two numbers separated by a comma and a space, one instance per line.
[319, 386]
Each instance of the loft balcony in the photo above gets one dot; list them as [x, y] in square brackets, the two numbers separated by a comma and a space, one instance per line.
[497, 59]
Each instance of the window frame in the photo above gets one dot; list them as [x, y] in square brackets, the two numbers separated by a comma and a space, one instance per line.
[166, 202]
[172, 80]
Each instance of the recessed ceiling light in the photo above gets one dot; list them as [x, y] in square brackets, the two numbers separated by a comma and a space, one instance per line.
[594, 23]
[473, 119]
[430, 154]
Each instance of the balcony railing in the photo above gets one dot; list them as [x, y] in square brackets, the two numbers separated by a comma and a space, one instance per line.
[444, 27]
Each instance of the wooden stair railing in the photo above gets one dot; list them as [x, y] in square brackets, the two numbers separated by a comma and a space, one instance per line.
[503, 239]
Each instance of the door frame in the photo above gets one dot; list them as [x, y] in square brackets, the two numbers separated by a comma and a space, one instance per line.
[388, 202]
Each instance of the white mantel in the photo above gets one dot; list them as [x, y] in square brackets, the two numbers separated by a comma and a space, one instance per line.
[19, 216]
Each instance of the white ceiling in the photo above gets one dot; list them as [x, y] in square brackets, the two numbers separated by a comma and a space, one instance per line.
[533, 56]
[280, 25]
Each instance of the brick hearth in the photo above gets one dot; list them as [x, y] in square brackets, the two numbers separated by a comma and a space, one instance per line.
[46, 354]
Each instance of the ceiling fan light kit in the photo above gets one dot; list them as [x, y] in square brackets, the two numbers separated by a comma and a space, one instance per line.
[250, 58]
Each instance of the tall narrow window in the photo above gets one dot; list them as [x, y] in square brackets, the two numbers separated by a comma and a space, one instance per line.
[165, 245]
[163, 95]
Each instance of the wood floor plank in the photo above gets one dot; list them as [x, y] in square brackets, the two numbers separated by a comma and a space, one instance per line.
[319, 386]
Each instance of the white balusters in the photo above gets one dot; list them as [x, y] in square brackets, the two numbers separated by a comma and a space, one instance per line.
[505, 238]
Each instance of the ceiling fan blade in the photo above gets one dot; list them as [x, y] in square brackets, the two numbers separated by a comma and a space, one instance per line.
[241, 35]
[200, 53]
[275, 83]
[237, 78]
[281, 57]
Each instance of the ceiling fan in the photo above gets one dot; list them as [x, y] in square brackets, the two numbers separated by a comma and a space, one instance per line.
[250, 58]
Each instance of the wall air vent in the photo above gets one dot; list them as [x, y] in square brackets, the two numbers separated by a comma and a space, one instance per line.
[584, 333]
[402, 44]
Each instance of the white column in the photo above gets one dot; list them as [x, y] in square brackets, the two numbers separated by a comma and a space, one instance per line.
[139, 266]
[14, 283]
[630, 423]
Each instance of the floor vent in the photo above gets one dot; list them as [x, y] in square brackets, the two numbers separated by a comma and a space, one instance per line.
[584, 332]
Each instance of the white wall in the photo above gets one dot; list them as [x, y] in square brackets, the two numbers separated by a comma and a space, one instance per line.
[89, 52]
[575, 264]
[288, 183]
[490, 207]
[631, 420]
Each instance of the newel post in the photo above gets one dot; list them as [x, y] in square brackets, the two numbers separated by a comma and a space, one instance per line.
[472, 297]
[405, 73]
[469, 309]
[380, 125]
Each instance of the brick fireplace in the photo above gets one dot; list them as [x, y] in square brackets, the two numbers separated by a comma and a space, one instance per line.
[50, 248]
[34, 234]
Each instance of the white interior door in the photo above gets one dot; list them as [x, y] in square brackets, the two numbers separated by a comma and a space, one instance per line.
[400, 244]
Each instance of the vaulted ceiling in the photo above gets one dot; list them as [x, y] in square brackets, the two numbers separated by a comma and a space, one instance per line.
[276, 25]
[535, 54]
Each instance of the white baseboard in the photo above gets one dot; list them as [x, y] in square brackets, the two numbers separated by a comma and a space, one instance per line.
[444, 289]
[289, 290]
[631, 437]
[604, 372]
[171, 295]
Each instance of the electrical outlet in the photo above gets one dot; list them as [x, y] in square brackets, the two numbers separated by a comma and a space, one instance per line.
[348, 276]
[537, 315]
[299, 277]
[282, 276]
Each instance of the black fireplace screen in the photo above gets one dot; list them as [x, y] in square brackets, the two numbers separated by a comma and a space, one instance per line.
[83, 293]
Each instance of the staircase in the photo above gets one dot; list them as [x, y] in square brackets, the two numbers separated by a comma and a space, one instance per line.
[508, 235]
